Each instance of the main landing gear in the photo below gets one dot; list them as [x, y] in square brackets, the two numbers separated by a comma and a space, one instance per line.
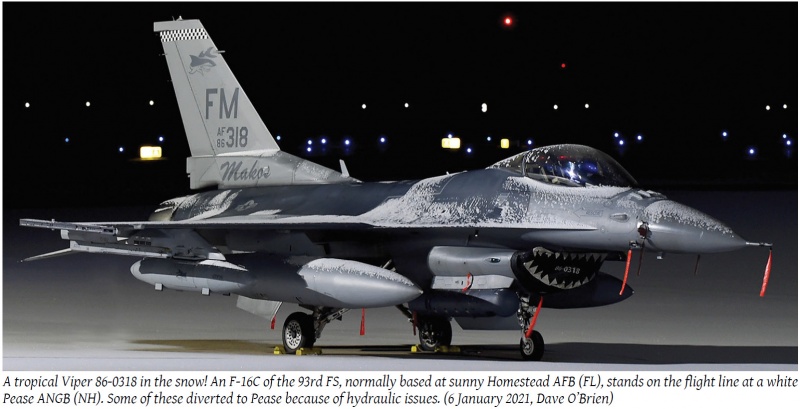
[434, 331]
[302, 330]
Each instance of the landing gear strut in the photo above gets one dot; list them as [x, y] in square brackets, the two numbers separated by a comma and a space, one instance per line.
[531, 346]
[434, 331]
[302, 330]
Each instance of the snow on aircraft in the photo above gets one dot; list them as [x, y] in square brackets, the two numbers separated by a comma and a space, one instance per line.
[526, 233]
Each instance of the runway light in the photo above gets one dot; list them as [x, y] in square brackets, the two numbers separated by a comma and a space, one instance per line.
[530, 142]
[347, 142]
[161, 139]
[88, 103]
[406, 105]
[121, 149]
[278, 137]
[788, 142]
[363, 106]
[451, 143]
[469, 150]
[66, 140]
[484, 107]
[308, 149]
[324, 141]
[616, 134]
[555, 106]
[751, 151]
[151, 102]
[488, 139]
[505, 143]
[724, 134]
[383, 139]
[767, 107]
[310, 142]
[27, 105]
[150, 152]
[621, 142]
[639, 138]
[586, 106]
[784, 136]
[785, 106]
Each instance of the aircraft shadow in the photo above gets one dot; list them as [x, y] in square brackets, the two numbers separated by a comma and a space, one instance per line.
[569, 352]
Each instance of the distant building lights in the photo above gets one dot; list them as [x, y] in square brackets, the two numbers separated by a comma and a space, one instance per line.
[150, 152]
[484, 107]
[451, 143]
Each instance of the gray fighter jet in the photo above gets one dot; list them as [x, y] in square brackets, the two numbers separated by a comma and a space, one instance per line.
[480, 247]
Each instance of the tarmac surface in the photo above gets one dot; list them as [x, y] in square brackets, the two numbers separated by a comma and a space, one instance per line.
[87, 312]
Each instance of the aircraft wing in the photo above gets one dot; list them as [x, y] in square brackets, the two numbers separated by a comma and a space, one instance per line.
[165, 239]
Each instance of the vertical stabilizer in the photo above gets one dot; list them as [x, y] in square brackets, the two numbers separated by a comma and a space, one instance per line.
[230, 145]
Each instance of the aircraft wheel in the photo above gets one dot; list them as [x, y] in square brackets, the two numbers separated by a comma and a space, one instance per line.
[434, 332]
[298, 332]
[532, 348]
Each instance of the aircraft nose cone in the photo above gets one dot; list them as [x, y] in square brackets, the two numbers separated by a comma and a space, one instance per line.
[677, 228]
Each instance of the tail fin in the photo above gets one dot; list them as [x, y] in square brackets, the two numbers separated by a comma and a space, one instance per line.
[230, 145]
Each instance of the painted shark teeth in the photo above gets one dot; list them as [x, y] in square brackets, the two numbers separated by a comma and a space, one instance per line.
[563, 270]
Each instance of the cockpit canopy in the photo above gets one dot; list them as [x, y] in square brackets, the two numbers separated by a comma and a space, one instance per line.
[568, 165]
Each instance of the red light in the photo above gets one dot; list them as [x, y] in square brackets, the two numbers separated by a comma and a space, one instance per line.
[507, 21]
[563, 65]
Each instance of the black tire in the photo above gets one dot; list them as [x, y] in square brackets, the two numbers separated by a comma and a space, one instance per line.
[298, 332]
[434, 332]
[532, 348]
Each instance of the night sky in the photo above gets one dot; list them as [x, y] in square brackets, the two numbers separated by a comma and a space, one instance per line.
[677, 74]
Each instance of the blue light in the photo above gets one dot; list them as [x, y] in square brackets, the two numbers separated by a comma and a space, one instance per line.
[347, 142]
[784, 136]
[751, 151]
[530, 142]
[469, 150]
[639, 138]
[383, 139]
[66, 140]
[310, 142]
[121, 149]
[724, 134]
[488, 139]
[308, 149]
[324, 141]
[788, 142]
[621, 142]
[278, 137]
[161, 139]
[616, 134]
